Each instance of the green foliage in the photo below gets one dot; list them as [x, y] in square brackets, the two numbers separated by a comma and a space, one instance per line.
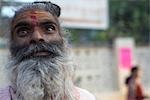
[101, 36]
[74, 36]
[130, 18]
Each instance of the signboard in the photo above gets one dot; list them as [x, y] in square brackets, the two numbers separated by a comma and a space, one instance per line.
[125, 57]
[78, 13]
[84, 13]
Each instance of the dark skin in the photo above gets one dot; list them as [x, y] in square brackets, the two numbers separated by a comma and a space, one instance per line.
[30, 27]
[34, 27]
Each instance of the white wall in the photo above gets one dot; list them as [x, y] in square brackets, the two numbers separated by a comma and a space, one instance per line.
[3, 73]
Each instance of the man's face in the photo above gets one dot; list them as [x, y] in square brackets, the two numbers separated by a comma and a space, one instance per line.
[34, 26]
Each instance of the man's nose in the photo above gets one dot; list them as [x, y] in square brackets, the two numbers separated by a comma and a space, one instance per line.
[37, 36]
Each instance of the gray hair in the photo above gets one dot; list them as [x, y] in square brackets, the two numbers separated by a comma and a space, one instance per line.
[44, 6]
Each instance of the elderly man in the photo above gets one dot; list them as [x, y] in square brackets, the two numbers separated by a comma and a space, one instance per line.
[39, 67]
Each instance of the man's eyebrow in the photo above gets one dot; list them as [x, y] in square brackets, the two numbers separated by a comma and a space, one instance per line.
[48, 22]
[21, 24]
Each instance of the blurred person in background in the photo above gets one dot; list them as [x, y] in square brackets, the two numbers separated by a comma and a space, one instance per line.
[40, 68]
[135, 89]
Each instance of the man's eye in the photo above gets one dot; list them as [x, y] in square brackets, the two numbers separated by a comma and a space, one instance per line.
[23, 32]
[50, 28]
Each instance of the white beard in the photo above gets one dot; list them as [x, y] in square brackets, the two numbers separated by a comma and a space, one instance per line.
[43, 79]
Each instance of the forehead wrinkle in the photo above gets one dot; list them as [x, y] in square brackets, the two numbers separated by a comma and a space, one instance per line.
[34, 13]
[40, 15]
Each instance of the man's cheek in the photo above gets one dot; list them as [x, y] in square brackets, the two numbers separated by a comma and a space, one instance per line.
[22, 41]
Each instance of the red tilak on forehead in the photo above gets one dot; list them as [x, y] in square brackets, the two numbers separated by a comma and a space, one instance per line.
[33, 16]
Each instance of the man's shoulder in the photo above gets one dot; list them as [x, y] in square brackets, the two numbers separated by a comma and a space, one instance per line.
[85, 95]
[5, 93]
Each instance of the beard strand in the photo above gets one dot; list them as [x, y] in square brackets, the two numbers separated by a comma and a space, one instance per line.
[41, 78]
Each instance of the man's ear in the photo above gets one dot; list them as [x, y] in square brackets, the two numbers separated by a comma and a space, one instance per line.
[56, 9]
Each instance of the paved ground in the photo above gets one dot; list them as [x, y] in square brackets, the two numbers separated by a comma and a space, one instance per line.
[113, 96]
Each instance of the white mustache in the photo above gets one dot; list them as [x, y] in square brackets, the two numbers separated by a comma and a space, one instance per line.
[20, 53]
